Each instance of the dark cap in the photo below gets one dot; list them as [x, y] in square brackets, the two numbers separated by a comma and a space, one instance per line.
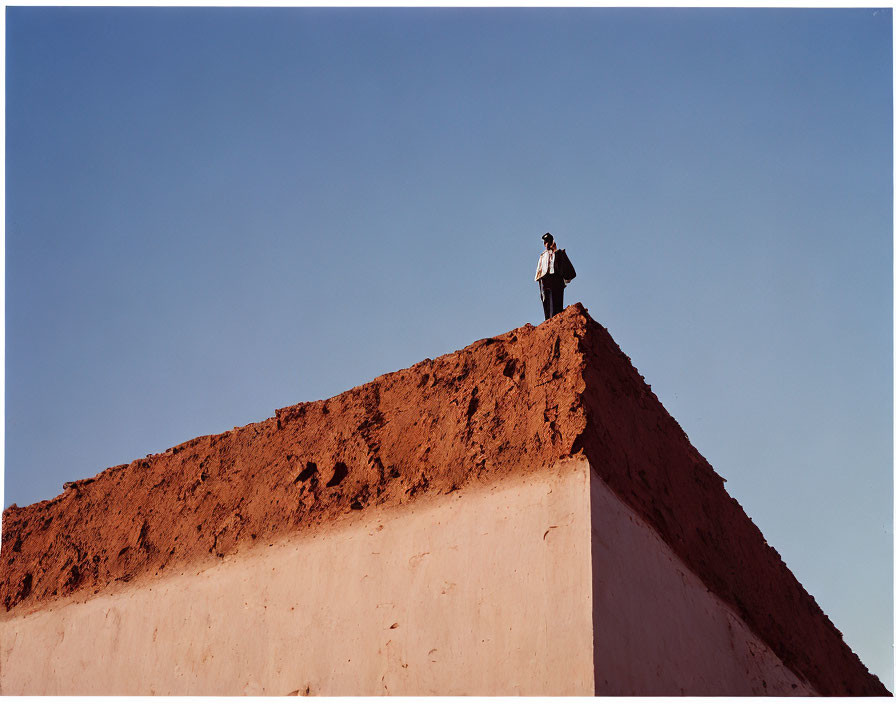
[547, 237]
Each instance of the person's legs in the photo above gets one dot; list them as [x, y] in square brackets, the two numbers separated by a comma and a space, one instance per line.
[551, 287]
[557, 299]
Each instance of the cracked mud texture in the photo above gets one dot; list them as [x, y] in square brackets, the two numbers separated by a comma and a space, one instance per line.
[523, 399]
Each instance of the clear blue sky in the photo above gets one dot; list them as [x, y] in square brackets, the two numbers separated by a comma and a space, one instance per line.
[213, 213]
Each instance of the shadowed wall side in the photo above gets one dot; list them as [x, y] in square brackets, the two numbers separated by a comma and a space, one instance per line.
[658, 630]
[646, 458]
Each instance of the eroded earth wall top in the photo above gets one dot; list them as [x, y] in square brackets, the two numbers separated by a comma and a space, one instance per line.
[523, 399]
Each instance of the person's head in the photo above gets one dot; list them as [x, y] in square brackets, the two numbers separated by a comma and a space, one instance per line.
[548, 240]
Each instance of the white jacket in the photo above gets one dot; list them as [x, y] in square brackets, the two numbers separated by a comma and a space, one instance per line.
[546, 264]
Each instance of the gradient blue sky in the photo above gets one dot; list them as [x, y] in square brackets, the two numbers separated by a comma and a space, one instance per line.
[213, 213]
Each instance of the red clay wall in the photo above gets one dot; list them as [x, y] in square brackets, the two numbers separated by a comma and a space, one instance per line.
[527, 398]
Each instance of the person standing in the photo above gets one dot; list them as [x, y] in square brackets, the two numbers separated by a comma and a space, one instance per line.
[554, 272]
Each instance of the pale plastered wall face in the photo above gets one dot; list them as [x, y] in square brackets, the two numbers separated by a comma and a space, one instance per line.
[658, 630]
[481, 592]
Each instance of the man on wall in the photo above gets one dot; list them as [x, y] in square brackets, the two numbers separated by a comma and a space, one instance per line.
[554, 272]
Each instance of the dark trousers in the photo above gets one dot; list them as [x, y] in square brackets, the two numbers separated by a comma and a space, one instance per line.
[551, 286]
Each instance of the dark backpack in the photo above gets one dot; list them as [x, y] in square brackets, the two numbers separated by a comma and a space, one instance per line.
[564, 267]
